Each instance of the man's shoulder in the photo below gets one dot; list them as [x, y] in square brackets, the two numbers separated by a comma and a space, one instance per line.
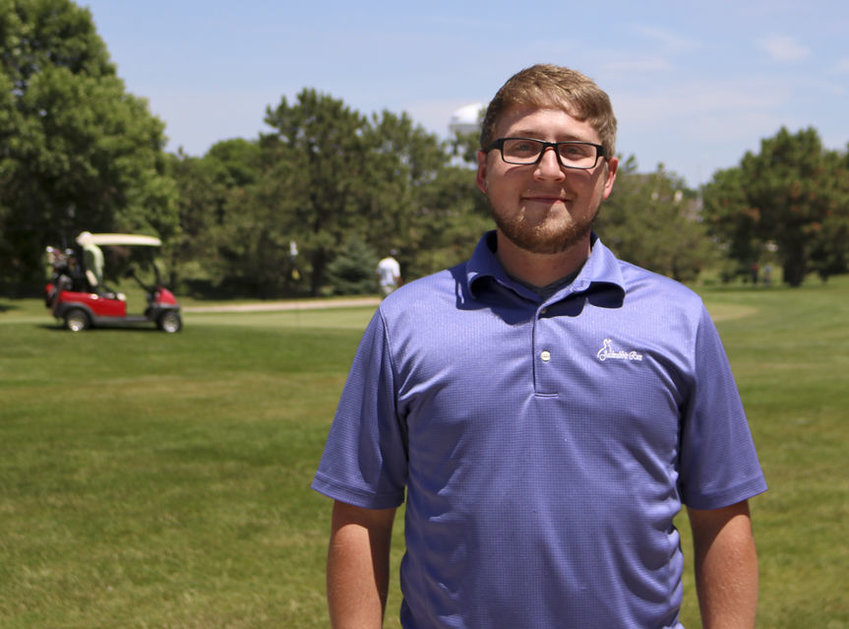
[638, 278]
[606, 267]
[427, 286]
[424, 294]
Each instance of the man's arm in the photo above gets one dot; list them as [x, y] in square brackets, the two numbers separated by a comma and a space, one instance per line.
[358, 566]
[726, 566]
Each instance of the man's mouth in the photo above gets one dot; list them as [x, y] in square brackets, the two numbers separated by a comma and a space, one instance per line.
[544, 198]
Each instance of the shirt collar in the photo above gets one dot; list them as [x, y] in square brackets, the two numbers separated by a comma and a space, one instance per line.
[601, 270]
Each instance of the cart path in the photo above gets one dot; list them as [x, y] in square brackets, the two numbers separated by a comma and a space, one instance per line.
[292, 304]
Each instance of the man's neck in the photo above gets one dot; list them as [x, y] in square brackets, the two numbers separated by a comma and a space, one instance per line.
[539, 269]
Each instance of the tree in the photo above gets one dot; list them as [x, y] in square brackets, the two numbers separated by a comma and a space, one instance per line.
[210, 252]
[731, 220]
[316, 158]
[792, 194]
[352, 272]
[332, 175]
[653, 220]
[829, 254]
[76, 151]
[403, 162]
[420, 203]
[448, 222]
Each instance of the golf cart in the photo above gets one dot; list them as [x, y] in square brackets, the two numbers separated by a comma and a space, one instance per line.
[77, 295]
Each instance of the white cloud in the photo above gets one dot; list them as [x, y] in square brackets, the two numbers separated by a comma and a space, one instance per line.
[842, 66]
[700, 97]
[783, 48]
[698, 126]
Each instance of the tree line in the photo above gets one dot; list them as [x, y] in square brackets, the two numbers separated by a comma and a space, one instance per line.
[309, 205]
[788, 203]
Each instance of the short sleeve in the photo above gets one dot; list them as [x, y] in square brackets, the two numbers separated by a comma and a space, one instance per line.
[718, 462]
[364, 462]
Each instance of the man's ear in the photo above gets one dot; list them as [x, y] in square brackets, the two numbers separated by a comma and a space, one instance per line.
[481, 176]
[612, 166]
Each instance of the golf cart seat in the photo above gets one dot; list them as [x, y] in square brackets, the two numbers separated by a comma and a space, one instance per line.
[102, 290]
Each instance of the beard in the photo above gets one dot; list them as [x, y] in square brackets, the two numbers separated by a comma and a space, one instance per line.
[549, 234]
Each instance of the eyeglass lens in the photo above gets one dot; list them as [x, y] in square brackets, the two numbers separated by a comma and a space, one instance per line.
[572, 154]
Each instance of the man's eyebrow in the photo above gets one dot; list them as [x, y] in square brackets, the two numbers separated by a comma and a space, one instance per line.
[535, 135]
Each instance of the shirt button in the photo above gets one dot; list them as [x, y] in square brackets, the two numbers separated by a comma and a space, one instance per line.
[545, 355]
[543, 311]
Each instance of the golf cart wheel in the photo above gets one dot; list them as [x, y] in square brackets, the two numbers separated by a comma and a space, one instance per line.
[76, 320]
[170, 322]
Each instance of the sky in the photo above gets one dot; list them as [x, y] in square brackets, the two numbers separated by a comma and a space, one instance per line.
[694, 85]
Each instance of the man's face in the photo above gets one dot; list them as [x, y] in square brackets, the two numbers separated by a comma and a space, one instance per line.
[544, 208]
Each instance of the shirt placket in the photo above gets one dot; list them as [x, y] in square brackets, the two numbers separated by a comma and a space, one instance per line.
[545, 355]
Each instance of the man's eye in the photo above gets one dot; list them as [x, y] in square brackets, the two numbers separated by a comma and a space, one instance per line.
[525, 147]
[574, 150]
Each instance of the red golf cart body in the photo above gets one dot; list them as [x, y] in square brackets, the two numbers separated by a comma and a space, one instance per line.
[76, 296]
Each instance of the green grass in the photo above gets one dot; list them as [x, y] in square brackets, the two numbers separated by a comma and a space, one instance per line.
[791, 360]
[153, 480]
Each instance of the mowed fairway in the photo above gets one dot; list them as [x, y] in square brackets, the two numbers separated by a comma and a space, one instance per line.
[153, 480]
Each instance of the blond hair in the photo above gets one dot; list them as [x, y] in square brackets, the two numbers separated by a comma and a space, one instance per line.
[547, 85]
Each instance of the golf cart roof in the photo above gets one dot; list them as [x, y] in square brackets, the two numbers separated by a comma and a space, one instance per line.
[87, 238]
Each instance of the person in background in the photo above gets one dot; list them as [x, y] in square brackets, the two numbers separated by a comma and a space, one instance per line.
[388, 273]
[93, 259]
[545, 410]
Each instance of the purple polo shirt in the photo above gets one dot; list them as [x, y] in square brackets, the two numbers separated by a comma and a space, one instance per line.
[545, 446]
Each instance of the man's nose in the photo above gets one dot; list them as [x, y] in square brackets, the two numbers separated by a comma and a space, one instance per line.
[548, 166]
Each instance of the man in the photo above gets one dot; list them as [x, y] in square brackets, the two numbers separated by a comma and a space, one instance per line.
[547, 408]
[388, 274]
[93, 258]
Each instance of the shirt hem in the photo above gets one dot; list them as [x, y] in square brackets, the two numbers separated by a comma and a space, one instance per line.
[354, 496]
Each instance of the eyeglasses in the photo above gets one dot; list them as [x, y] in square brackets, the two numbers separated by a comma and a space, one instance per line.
[527, 151]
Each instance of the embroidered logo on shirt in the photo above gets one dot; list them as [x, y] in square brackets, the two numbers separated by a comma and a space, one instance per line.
[607, 351]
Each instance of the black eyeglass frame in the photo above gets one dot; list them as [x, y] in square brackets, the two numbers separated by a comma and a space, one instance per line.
[499, 144]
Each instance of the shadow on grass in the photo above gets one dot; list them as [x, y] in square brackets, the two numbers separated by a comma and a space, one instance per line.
[60, 327]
